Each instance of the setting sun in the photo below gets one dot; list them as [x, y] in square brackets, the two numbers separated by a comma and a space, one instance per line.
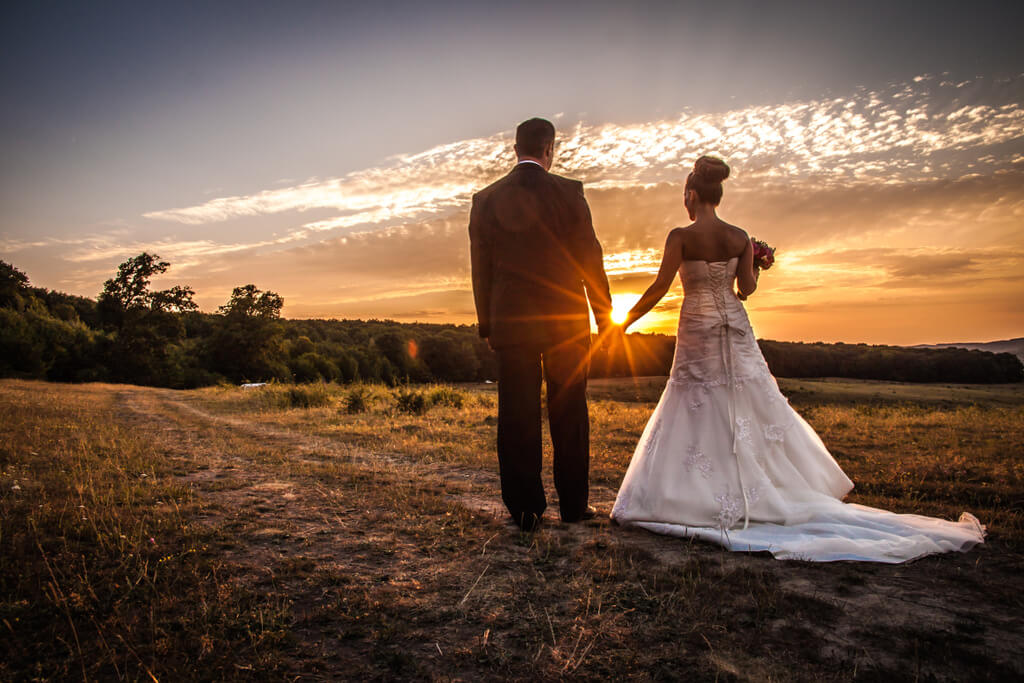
[621, 303]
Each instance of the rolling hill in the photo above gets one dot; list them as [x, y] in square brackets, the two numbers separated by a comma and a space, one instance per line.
[1014, 346]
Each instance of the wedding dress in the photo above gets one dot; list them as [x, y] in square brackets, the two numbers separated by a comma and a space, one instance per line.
[725, 458]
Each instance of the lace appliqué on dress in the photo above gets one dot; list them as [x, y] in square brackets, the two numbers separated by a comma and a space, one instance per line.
[696, 460]
[730, 510]
[698, 397]
[743, 429]
[739, 383]
[753, 494]
[701, 388]
[774, 432]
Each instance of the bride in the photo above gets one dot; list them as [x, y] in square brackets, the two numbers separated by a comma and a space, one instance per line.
[724, 457]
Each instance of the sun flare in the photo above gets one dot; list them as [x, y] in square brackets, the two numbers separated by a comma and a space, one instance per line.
[621, 303]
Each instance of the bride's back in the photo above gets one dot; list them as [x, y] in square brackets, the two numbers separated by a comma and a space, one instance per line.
[711, 253]
[713, 240]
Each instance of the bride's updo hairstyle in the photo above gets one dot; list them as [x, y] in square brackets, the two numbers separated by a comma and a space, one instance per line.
[706, 179]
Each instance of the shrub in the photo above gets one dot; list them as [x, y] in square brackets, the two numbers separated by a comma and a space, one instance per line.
[309, 396]
[357, 400]
[412, 402]
[447, 396]
[194, 377]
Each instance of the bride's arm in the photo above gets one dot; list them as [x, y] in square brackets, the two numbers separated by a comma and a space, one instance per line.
[746, 274]
[666, 274]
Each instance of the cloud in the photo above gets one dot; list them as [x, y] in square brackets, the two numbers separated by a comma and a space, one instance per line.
[834, 246]
[909, 133]
[13, 246]
[910, 194]
[930, 267]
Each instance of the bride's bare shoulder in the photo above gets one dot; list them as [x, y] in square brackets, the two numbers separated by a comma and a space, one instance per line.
[678, 234]
[681, 232]
[735, 229]
[737, 234]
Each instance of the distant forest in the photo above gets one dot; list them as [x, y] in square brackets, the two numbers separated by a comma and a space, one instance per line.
[134, 334]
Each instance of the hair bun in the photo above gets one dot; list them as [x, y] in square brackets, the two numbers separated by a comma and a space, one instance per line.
[711, 169]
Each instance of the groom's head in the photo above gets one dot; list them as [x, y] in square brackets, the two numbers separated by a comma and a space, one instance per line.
[535, 139]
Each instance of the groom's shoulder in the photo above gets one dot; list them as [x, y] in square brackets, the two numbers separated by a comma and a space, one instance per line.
[569, 184]
[480, 195]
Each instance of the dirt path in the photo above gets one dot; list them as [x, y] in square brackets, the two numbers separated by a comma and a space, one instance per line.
[869, 617]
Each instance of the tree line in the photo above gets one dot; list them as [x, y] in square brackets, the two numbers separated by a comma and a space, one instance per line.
[644, 354]
[135, 334]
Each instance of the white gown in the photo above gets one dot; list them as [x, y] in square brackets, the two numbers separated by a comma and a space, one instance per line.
[725, 458]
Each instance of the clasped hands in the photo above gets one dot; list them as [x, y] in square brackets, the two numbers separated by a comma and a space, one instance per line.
[608, 330]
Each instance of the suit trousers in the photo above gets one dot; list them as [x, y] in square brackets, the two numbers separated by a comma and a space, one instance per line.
[520, 451]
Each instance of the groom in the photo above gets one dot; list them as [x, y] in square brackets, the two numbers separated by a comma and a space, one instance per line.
[536, 261]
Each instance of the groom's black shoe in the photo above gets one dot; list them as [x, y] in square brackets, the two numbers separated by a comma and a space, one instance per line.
[588, 513]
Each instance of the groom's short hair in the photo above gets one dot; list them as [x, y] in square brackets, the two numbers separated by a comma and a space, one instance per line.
[533, 137]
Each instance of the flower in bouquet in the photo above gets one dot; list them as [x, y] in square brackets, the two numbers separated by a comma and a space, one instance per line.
[764, 256]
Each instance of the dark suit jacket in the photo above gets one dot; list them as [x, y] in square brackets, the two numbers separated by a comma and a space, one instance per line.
[535, 260]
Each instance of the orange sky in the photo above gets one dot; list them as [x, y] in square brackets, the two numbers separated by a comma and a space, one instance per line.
[898, 215]
[328, 151]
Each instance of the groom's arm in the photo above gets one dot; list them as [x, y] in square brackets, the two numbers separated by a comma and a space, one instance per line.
[481, 265]
[591, 258]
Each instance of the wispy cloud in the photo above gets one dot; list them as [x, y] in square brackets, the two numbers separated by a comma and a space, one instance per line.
[910, 132]
[899, 197]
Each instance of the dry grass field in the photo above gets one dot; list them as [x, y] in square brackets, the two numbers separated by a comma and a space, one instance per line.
[337, 533]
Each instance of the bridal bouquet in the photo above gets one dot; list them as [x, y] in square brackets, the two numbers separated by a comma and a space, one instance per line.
[764, 256]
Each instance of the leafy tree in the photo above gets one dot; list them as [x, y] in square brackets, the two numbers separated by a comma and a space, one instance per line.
[138, 335]
[174, 300]
[128, 292]
[247, 343]
[250, 303]
[20, 352]
[147, 324]
[312, 367]
[449, 357]
[13, 286]
[402, 353]
[300, 346]
[348, 366]
[69, 350]
[68, 307]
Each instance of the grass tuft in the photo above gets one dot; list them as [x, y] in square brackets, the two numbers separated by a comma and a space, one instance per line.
[357, 400]
[306, 396]
[411, 401]
[447, 396]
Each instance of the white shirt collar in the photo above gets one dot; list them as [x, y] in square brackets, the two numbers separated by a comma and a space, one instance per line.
[528, 161]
